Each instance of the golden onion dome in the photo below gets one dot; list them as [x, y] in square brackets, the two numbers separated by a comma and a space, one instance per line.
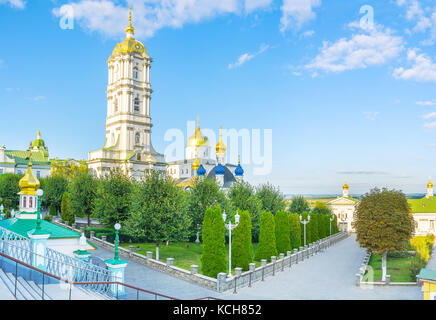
[220, 146]
[429, 184]
[198, 139]
[38, 142]
[129, 44]
[345, 186]
[29, 184]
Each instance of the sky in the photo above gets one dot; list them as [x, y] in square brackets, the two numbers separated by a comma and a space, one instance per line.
[347, 87]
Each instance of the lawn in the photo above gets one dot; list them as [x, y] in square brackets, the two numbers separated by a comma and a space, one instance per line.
[398, 268]
[183, 256]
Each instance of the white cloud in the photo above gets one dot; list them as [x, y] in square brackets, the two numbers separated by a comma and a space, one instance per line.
[426, 103]
[247, 57]
[295, 13]
[429, 115]
[364, 172]
[37, 98]
[19, 4]
[375, 47]
[371, 115]
[308, 33]
[423, 68]
[431, 125]
[251, 5]
[110, 18]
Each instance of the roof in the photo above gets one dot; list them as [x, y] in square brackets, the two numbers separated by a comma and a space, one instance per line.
[23, 226]
[22, 157]
[424, 205]
[427, 274]
[343, 201]
[229, 178]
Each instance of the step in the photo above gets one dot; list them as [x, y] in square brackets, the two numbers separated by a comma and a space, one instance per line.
[22, 289]
[62, 292]
[29, 288]
[5, 294]
[11, 285]
[38, 290]
[95, 294]
[6, 286]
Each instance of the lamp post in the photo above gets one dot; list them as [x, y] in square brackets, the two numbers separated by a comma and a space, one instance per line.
[304, 222]
[331, 220]
[39, 194]
[230, 227]
[117, 227]
[1, 212]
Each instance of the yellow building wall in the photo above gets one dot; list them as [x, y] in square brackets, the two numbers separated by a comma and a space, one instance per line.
[428, 287]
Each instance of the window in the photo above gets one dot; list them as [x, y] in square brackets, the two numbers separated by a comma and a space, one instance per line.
[115, 104]
[38, 174]
[1, 171]
[136, 105]
[135, 73]
[19, 172]
[431, 224]
[30, 202]
[138, 157]
[24, 202]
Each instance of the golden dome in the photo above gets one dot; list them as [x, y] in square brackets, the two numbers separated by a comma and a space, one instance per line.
[220, 146]
[345, 186]
[429, 184]
[129, 44]
[198, 139]
[29, 184]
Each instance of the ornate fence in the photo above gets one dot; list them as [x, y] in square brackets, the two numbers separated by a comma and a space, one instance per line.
[57, 263]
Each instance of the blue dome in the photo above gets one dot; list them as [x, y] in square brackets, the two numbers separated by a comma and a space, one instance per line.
[201, 170]
[239, 171]
[219, 169]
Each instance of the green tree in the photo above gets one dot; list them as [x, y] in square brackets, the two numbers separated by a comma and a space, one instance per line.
[66, 213]
[213, 257]
[313, 225]
[383, 223]
[267, 237]
[82, 190]
[335, 228]
[112, 198]
[295, 230]
[157, 210]
[282, 227]
[242, 247]
[54, 188]
[52, 211]
[271, 198]
[204, 194]
[299, 205]
[68, 169]
[242, 196]
[9, 190]
[321, 208]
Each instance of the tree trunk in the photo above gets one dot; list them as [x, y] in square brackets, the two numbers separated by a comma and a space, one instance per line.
[384, 265]
[157, 251]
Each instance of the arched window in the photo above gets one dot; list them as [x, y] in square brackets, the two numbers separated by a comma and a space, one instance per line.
[30, 202]
[136, 105]
[24, 202]
[137, 138]
[135, 73]
[138, 157]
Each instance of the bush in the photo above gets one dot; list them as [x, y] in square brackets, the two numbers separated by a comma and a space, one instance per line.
[213, 258]
[423, 246]
[267, 237]
[66, 213]
[52, 211]
[242, 247]
[415, 267]
[282, 228]
[295, 230]
[48, 218]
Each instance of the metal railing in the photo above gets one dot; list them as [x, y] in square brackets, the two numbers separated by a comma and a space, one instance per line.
[46, 275]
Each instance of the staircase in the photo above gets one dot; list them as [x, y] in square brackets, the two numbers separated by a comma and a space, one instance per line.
[29, 290]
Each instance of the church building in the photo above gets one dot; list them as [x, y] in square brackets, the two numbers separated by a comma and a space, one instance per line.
[128, 123]
[424, 212]
[344, 208]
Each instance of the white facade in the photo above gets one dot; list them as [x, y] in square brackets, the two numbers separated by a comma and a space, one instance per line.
[344, 208]
[128, 123]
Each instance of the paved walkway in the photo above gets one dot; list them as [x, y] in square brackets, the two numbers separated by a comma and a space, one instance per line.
[327, 276]
[431, 264]
[147, 278]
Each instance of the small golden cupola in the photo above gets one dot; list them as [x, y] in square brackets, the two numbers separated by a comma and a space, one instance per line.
[220, 147]
[29, 184]
[429, 184]
[195, 165]
[345, 186]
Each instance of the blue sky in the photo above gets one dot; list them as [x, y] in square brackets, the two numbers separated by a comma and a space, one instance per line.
[342, 101]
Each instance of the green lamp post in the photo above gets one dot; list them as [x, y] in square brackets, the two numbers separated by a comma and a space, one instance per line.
[117, 227]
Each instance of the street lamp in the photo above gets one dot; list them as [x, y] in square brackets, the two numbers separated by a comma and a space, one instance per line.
[331, 220]
[230, 227]
[117, 227]
[39, 194]
[304, 222]
[1, 212]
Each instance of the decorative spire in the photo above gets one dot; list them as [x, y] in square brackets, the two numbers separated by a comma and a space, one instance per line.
[38, 135]
[195, 164]
[130, 30]
[345, 186]
[220, 147]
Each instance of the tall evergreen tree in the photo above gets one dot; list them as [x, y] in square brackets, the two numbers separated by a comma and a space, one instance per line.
[242, 247]
[295, 230]
[213, 257]
[282, 227]
[66, 213]
[267, 238]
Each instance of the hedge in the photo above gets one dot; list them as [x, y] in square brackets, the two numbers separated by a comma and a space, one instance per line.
[267, 237]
